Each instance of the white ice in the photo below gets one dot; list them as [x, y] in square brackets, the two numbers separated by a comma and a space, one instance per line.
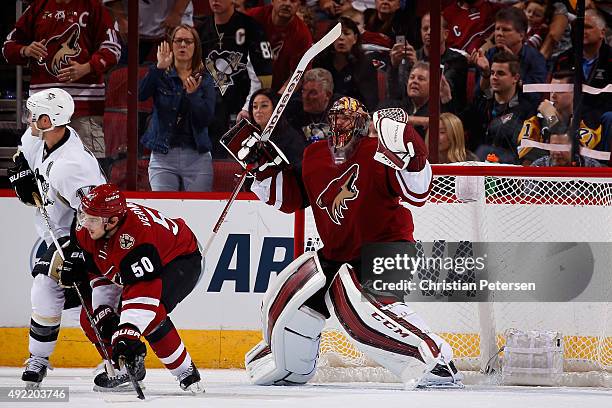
[230, 388]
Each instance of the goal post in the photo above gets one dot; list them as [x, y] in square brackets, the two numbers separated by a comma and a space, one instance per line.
[483, 203]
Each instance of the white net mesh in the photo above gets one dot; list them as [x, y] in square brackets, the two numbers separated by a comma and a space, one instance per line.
[504, 209]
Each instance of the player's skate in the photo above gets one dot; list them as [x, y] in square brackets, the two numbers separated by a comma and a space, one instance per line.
[35, 371]
[190, 380]
[121, 381]
[442, 376]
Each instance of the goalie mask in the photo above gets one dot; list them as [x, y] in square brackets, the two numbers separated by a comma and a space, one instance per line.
[349, 122]
[55, 103]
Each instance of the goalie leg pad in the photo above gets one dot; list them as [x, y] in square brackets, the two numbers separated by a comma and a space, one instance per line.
[395, 343]
[292, 331]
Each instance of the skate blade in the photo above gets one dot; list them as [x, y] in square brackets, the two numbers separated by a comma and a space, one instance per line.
[196, 388]
[440, 385]
[120, 389]
[31, 385]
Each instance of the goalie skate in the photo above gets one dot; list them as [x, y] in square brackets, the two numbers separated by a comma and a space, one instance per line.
[442, 376]
[120, 382]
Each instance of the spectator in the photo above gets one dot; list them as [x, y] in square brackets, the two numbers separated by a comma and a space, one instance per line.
[370, 41]
[558, 38]
[329, 9]
[353, 72]
[496, 116]
[285, 137]
[288, 35]
[403, 57]
[72, 43]
[308, 112]
[539, 14]
[390, 19]
[564, 158]
[596, 67]
[239, 58]
[558, 110]
[470, 23]
[510, 32]
[156, 20]
[451, 141]
[184, 100]
[416, 104]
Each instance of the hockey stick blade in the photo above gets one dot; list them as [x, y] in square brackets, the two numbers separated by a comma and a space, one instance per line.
[130, 372]
[312, 52]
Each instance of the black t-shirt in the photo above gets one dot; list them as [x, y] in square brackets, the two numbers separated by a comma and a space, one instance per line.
[229, 52]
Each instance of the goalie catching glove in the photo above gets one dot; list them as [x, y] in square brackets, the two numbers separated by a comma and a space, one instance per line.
[23, 180]
[244, 143]
[399, 145]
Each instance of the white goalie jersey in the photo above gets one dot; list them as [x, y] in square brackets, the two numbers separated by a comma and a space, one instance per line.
[65, 173]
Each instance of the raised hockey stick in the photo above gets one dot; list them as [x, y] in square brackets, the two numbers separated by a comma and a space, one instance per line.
[312, 52]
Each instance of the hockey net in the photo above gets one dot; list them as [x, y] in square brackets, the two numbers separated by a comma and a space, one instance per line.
[477, 203]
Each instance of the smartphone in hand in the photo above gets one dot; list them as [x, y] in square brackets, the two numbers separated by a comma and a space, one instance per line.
[197, 74]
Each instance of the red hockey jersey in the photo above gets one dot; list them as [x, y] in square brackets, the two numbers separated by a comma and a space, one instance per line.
[471, 25]
[134, 258]
[80, 31]
[354, 203]
[288, 43]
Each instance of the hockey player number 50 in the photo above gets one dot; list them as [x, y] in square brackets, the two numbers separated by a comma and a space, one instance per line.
[138, 269]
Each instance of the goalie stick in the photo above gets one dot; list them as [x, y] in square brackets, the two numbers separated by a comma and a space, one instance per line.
[308, 56]
[107, 361]
[312, 52]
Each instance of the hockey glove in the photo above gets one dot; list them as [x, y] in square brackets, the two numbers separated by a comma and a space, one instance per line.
[399, 145]
[106, 321]
[244, 143]
[73, 270]
[126, 344]
[23, 180]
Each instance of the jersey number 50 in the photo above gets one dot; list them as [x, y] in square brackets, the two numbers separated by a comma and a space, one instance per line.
[142, 266]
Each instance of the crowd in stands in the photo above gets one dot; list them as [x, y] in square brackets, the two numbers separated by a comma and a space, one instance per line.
[207, 64]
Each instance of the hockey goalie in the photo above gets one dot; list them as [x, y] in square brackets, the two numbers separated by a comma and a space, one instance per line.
[353, 184]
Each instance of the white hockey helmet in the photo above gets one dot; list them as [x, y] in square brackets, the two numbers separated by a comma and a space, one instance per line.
[56, 103]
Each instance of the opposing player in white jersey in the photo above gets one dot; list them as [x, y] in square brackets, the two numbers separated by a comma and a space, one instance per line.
[353, 184]
[51, 158]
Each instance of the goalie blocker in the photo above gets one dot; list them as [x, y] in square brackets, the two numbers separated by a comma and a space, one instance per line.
[244, 142]
[393, 335]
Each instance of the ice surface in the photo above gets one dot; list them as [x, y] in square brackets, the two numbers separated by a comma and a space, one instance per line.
[230, 388]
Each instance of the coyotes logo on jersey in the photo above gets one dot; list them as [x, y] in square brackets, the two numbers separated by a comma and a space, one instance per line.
[340, 190]
[61, 48]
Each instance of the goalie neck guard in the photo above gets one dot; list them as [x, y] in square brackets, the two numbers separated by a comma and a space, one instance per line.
[349, 122]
